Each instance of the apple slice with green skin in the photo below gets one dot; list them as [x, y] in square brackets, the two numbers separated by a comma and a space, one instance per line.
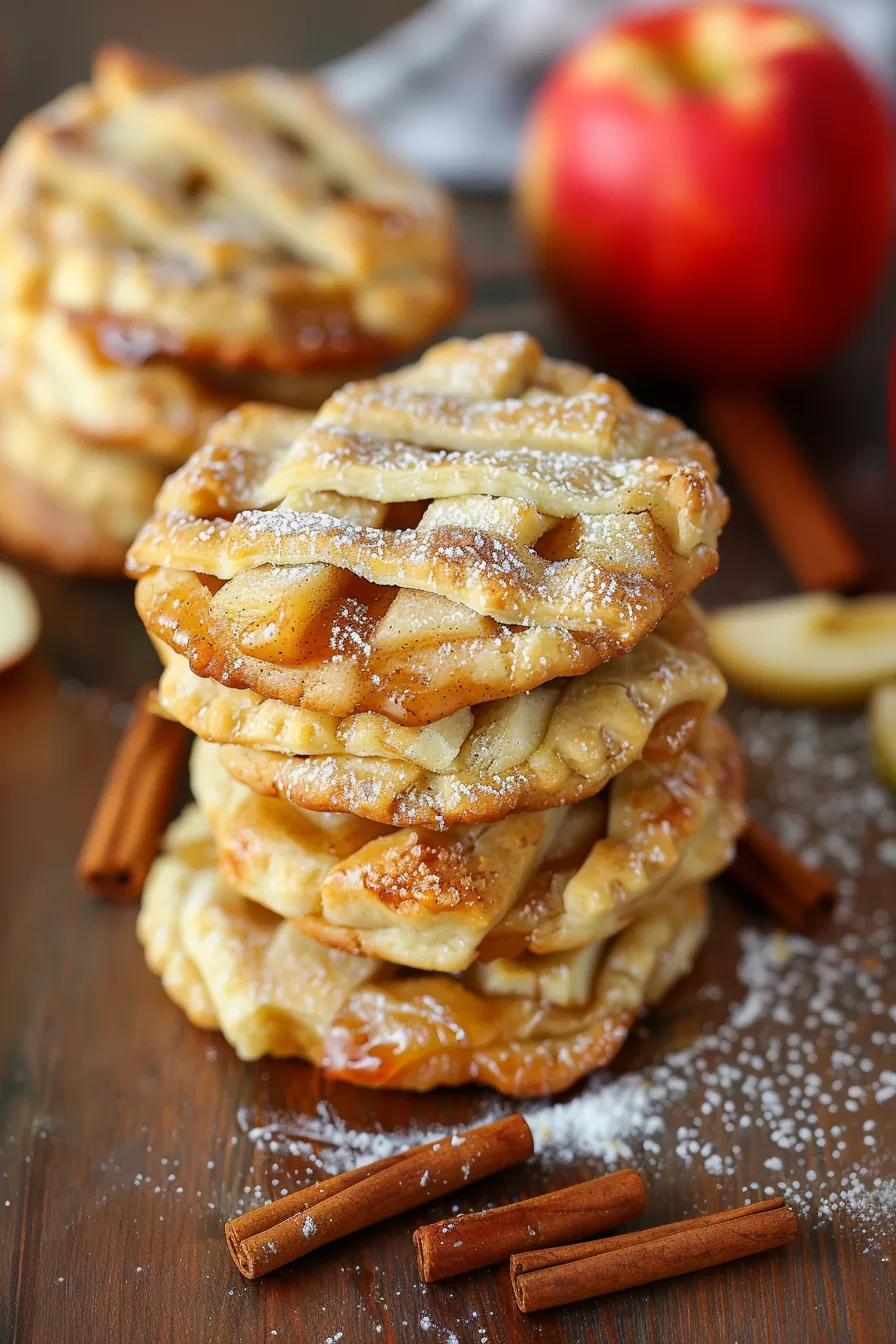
[882, 725]
[811, 649]
[19, 618]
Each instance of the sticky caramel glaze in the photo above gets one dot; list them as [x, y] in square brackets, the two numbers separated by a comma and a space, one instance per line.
[291, 344]
[672, 733]
[419, 1032]
[342, 674]
[401, 1034]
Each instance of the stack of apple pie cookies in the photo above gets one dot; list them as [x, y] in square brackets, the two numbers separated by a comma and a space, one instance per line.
[458, 777]
[169, 246]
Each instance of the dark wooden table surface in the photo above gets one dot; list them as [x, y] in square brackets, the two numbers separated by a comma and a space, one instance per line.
[123, 1131]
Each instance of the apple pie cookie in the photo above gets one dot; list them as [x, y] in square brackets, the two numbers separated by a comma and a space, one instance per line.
[237, 218]
[542, 748]
[535, 1029]
[462, 531]
[171, 245]
[540, 882]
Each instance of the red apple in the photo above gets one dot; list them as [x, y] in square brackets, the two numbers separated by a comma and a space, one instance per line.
[709, 190]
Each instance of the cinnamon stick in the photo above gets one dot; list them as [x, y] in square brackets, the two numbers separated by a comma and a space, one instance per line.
[267, 1238]
[565, 1274]
[780, 880]
[800, 520]
[134, 804]
[471, 1240]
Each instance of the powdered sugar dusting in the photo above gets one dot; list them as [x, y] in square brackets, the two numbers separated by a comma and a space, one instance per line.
[809, 1044]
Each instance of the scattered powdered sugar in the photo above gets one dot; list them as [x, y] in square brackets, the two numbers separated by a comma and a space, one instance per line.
[809, 1044]
[819, 794]
[323, 1138]
[785, 1084]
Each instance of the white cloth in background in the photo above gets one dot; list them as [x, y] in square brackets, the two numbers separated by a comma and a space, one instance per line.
[447, 88]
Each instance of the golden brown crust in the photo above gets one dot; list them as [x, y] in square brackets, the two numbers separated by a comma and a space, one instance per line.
[237, 218]
[272, 991]
[551, 747]
[542, 882]
[545, 748]
[564, 522]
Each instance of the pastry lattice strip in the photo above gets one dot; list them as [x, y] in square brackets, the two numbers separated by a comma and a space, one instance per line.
[300, 620]
[535, 882]
[606, 571]
[501, 391]
[543, 535]
[229, 963]
[496, 395]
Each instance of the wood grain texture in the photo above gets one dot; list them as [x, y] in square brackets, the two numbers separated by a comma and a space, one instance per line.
[108, 1093]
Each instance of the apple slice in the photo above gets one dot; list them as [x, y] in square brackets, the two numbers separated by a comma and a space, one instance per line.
[882, 725]
[19, 618]
[811, 649]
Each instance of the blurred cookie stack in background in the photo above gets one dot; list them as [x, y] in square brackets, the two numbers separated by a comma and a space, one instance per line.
[169, 246]
[459, 781]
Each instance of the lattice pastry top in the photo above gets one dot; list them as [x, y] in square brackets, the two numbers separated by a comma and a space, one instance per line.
[557, 506]
[237, 217]
[230, 963]
[535, 882]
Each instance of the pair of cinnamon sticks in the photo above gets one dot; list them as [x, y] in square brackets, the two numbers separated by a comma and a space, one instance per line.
[544, 1272]
[266, 1238]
